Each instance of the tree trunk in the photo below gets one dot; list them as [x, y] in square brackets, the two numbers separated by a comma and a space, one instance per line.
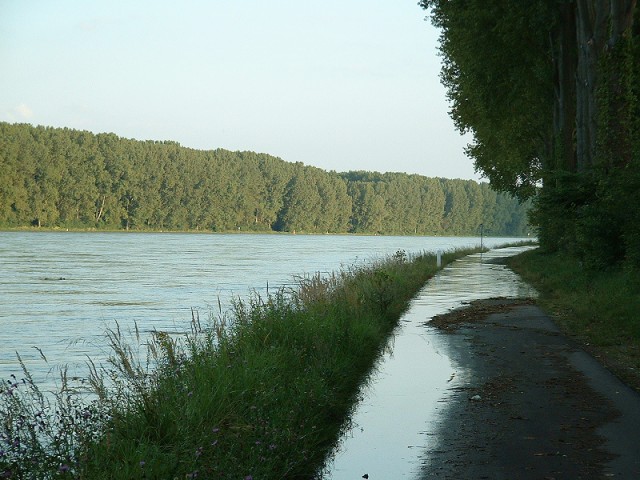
[564, 50]
[618, 120]
[592, 25]
[600, 26]
[101, 210]
[621, 19]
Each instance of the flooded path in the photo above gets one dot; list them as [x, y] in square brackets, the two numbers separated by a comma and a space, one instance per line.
[402, 400]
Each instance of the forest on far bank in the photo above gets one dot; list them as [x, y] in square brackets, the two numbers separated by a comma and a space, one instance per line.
[60, 177]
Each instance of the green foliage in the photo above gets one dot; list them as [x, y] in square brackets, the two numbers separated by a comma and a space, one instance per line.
[62, 178]
[496, 70]
[264, 390]
[591, 216]
[550, 92]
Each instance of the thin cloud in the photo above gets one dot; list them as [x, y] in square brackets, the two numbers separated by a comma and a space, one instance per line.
[19, 113]
[23, 111]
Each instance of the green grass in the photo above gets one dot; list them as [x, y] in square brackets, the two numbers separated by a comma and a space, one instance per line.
[599, 309]
[263, 391]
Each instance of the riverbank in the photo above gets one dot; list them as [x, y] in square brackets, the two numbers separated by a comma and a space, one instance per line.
[529, 403]
[261, 393]
[154, 280]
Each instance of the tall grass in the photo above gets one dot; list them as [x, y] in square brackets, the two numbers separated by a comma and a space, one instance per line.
[262, 391]
[40, 434]
[598, 308]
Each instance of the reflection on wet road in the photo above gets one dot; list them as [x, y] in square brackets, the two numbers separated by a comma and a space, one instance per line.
[387, 440]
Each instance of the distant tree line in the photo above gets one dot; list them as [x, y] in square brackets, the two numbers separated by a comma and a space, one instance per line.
[59, 177]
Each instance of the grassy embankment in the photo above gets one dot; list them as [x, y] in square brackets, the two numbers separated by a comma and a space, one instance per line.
[599, 309]
[264, 391]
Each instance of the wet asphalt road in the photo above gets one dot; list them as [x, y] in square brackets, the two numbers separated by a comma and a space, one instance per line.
[527, 403]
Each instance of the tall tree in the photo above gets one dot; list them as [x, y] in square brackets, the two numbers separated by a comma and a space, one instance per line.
[550, 91]
[496, 69]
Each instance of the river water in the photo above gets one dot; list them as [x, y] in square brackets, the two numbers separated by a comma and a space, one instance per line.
[60, 291]
[390, 438]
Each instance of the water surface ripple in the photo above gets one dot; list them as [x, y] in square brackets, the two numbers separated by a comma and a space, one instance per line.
[59, 291]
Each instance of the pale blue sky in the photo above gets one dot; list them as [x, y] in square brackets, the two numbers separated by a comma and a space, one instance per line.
[338, 84]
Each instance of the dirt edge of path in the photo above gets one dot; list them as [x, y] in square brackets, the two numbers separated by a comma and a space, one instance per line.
[476, 311]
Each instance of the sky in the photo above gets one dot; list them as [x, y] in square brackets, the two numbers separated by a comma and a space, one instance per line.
[338, 84]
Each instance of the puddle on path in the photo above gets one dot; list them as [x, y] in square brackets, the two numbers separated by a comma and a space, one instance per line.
[388, 440]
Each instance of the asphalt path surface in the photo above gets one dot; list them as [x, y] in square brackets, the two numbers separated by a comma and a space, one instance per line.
[526, 402]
